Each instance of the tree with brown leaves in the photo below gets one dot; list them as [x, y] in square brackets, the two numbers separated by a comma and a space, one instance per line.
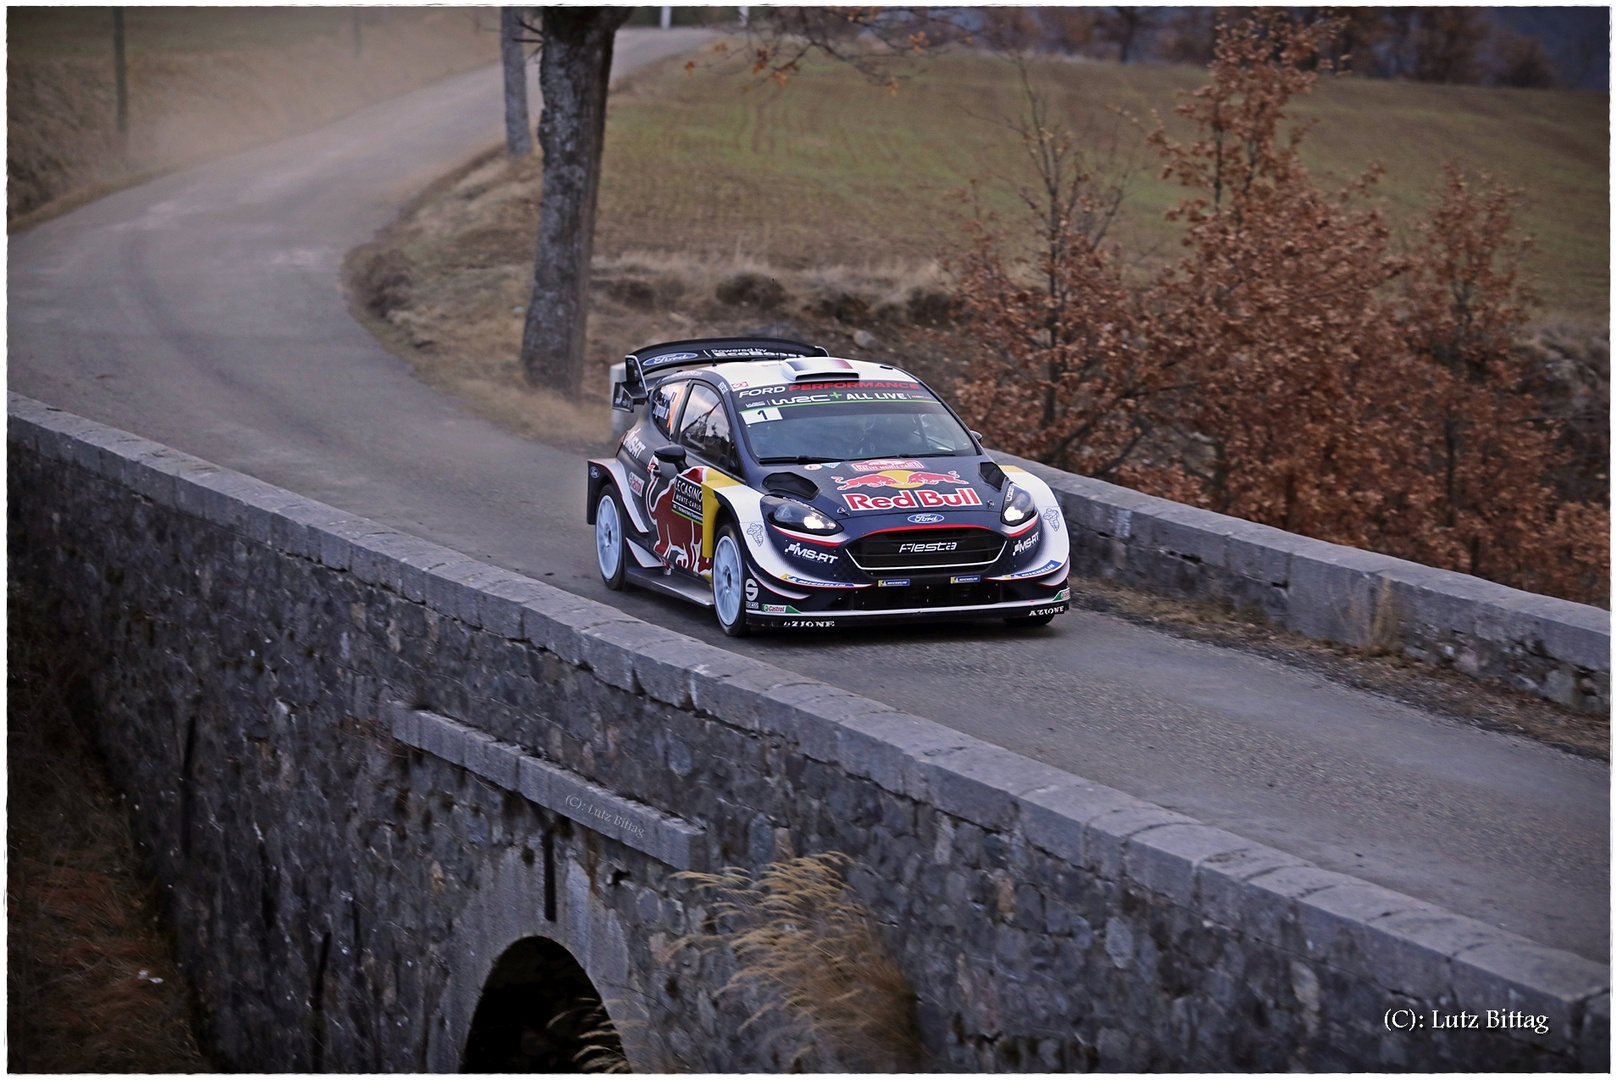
[1291, 369]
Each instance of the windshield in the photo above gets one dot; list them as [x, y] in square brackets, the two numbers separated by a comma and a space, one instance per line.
[848, 422]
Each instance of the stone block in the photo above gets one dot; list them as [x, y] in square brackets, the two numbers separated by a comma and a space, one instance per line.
[613, 650]
[730, 688]
[533, 779]
[1410, 950]
[557, 623]
[1164, 858]
[1106, 836]
[1335, 921]
[1224, 897]
[885, 746]
[502, 600]
[980, 782]
[1053, 817]
[786, 709]
[1517, 974]
[1594, 1035]
[663, 668]
[404, 722]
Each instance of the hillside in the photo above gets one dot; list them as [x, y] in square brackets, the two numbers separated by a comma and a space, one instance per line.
[831, 170]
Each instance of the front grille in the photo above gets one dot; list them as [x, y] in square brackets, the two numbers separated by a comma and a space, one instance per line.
[943, 594]
[952, 549]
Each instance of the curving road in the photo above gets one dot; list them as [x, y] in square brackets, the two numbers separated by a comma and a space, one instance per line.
[203, 310]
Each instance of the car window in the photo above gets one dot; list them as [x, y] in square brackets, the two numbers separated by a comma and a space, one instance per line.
[849, 422]
[664, 404]
[704, 427]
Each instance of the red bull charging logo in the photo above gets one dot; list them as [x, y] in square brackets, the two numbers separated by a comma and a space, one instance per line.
[897, 478]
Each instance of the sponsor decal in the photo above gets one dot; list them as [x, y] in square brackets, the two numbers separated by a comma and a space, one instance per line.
[843, 391]
[740, 384]
[751, 590]
[633, 443]
[1052, 518]
[637, 485]
[924, 519]
[1037, 571]
[759, 416]
[1064, 594]
[810, 554]
[1025, 544]
[902, 478]
[673, 357]
[912, 500]
[687, 499]
[965, 579]
[878, 464]
[775, 609]
[752, 605]
[737, 352]
[921, 549]
[755, 533]
[1057, 610]
[816, 624]
[812, 583]
[894, 581]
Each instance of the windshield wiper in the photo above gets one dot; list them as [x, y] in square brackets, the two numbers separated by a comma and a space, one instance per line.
[800, 459]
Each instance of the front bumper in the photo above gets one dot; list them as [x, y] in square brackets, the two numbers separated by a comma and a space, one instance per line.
[922, 602]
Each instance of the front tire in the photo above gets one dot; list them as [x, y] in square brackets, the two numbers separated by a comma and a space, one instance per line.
[611, 542]
[729, 581]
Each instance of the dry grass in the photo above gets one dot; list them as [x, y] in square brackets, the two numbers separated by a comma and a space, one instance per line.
[446, 285]
[828, 996]
[91, 983]
[202, 82]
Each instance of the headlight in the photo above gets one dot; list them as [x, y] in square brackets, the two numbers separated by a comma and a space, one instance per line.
[789, 514]
[1018, 506]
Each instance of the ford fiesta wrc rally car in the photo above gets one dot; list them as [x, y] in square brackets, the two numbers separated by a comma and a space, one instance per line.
[785, 487]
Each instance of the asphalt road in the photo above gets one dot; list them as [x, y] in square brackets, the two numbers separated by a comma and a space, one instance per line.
[203, 310]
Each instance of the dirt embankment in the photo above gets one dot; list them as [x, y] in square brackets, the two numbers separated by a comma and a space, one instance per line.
[203, 87]
[91, 983]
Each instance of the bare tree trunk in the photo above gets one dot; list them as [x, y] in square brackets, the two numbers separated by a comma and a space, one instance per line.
[120, 78]
[575, 66]
[518, 143]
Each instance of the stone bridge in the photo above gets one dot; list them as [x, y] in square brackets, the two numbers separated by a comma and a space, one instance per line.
[409, 807]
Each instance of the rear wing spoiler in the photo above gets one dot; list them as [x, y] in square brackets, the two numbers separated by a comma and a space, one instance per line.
[699, 352]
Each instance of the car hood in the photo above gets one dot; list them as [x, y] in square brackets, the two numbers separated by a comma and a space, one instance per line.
[857, 491]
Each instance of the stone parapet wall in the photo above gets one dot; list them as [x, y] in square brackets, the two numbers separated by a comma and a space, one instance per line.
[365, 764]
[1537, 644]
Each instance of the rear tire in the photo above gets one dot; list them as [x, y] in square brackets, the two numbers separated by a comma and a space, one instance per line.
[729, 581]
[1025, 622]
[611, 542]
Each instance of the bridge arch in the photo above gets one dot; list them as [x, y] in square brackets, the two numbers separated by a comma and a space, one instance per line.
[538, 1012]
[506, 941]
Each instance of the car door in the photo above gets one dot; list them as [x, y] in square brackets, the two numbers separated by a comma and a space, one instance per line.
[704, 431]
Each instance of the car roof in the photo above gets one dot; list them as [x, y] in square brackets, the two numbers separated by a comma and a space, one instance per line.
[816, 370]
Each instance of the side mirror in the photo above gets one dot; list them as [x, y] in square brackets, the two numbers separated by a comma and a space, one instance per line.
[670, 459]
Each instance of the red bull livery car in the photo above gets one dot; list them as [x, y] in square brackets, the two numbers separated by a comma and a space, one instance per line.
[782, 486]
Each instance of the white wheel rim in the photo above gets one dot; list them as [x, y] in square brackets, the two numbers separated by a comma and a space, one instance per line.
[727, 580]
[608, 537]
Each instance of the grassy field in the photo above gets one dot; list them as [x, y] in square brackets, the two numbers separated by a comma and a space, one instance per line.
[830, 169]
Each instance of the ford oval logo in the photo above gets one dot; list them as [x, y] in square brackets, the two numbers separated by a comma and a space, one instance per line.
[676, 356]
[925, 519]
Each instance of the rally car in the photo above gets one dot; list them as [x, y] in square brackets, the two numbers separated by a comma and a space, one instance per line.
[785, 487]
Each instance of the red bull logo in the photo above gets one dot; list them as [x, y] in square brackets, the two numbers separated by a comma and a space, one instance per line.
[919, 498]
[903, 479]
